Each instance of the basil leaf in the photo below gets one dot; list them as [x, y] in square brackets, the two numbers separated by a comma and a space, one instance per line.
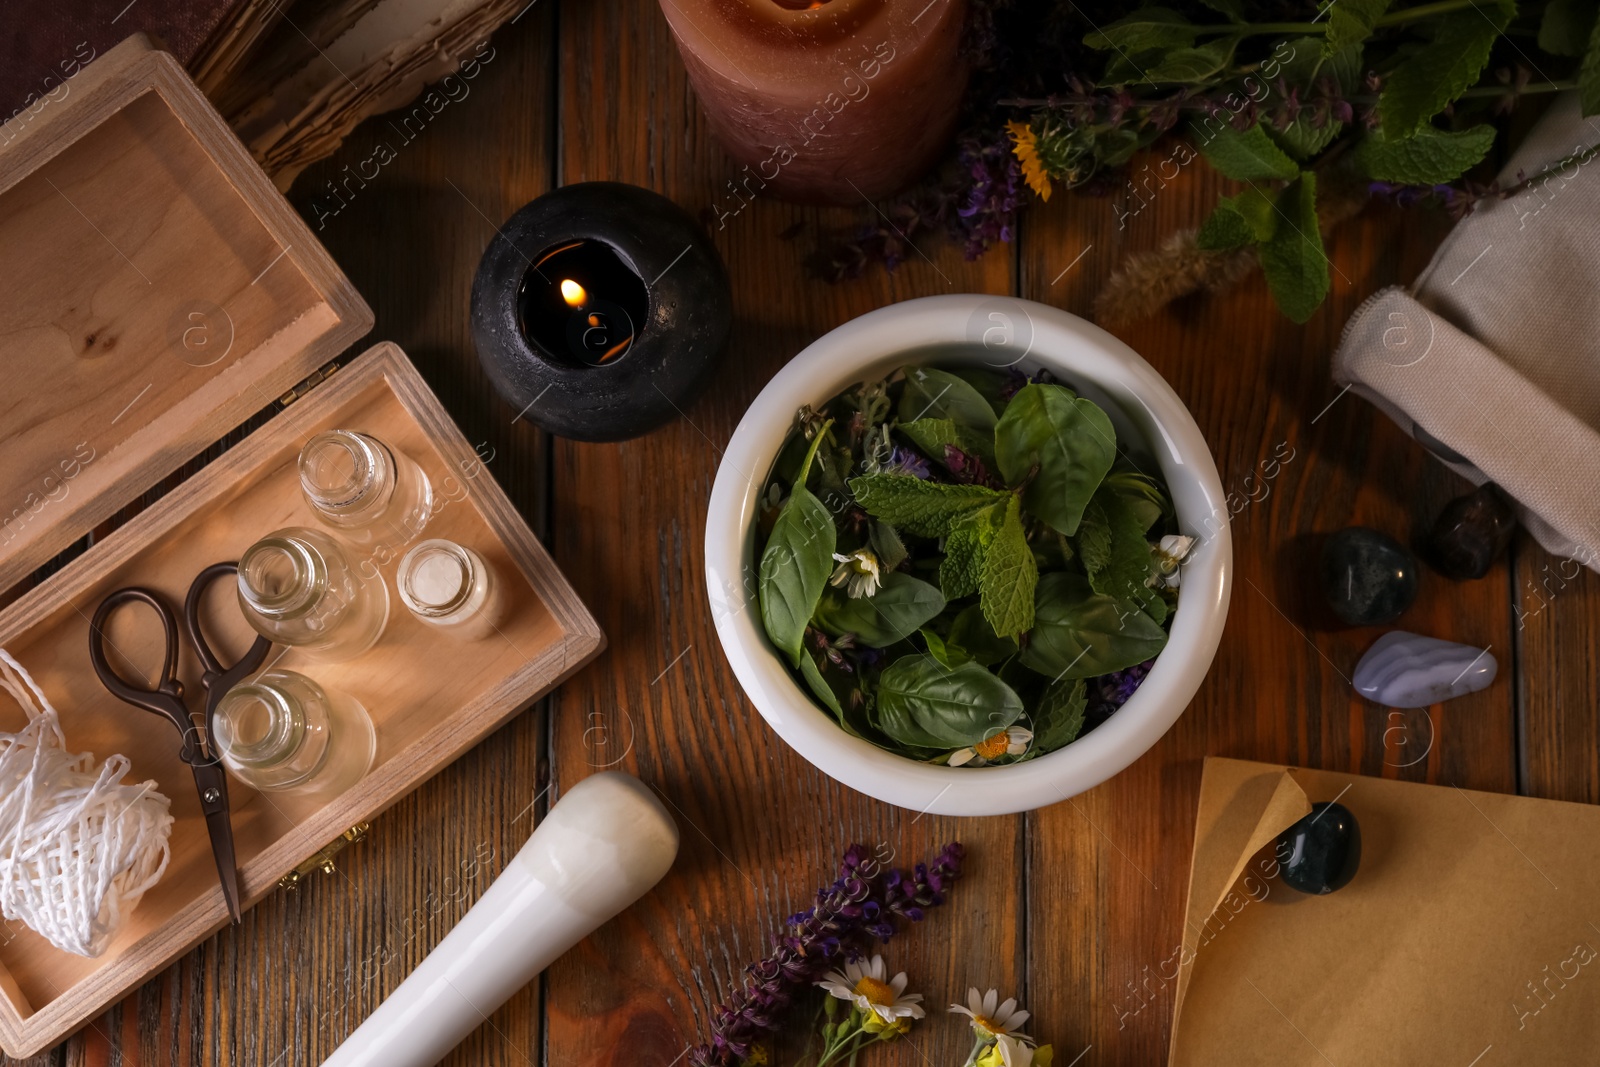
[797, 562]
[1008, 576]
[965, 547]
[820, 688]
[1068, 439]
[932, 435]
[1293, 261]
[1142, 493]
[924, 703]
[1078, 633]
[931, 393]
[972, 632]
[1058, 717]
[897, 610]
[947, 653]
[926, 509]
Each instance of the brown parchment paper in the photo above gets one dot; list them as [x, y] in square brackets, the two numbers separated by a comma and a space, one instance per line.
[1469, 938]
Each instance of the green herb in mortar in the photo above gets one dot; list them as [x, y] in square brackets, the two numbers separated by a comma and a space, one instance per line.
[963, 566]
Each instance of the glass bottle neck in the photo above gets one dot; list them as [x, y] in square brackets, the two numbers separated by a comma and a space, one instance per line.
[282, 576]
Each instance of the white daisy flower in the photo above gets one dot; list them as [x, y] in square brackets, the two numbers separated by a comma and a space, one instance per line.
[1170, 553]
[1014, 1052]
[864, 984]
[1012, 741]
[992, 1019]
[858, 573]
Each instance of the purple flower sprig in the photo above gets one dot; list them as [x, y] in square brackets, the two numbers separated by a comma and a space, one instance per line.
[857, 909]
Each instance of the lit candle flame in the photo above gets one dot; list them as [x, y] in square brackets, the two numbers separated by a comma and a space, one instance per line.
[573, 293]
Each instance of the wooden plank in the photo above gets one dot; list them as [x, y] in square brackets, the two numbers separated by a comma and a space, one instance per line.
[308, 965]
[761, 828]
[1557, 618]
[1259, 388]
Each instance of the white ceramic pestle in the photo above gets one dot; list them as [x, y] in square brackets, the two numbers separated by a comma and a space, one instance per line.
[603, 846]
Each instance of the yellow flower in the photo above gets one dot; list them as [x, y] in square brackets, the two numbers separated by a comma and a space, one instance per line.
[1025, 144]
[757, 1057]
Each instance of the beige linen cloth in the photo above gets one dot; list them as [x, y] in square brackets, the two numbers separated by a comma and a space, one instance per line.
[1492, 359]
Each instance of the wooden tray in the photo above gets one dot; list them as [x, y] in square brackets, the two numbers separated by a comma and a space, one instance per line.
[88, 324]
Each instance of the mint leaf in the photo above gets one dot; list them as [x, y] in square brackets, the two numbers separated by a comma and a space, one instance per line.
[1247, 156]
[1058, 717]
[1351, 21]
[1223, 229]
[1293, 261]
[1567, 26]
[1233, 9]
[932, 393]
[965, 547]
[1008, 577]
[1441, 70]
[1094, 539]
[926, 509]
[1185, 66]
[1127, 565]
[1061, 445]
[1146, 30]
[1308, 66]
[1589, 76]
[1428, 157]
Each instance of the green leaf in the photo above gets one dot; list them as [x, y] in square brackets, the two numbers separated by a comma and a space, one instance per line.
[796, 563]
[1008, 577]
[1310, 65]
[1078, 633]
[1147, 497]
[931, 393]
[1058, 718]
[1247, 156]
[1128, 562]
[922, 702]
[1224, 228]
[965, 547]
[926, 509]
[948, 653]
[820, 688]
[897, 610]
[1146, 30]
[1428, 157]
[1589, 76]
[1065, 443]
[887, 546]
[1295, 266]
[1441, 70]
[1567, 26]
[1186, 66]
[972, 632]
[1094, 539]
[1351, 22]
[1233, 9]
[932, 435]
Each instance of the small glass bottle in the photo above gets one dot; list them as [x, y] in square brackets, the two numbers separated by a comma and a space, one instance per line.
[449, 586]
[370, 492]
[299, 587]
[281, 732]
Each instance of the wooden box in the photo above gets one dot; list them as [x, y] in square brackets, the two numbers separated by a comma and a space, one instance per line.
[159, 291]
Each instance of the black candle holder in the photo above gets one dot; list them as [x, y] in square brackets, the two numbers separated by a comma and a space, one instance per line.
[599, 310]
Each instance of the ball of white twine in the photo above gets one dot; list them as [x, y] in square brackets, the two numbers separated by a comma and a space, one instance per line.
[77, 847]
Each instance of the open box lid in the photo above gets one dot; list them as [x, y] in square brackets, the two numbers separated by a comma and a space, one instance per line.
[155, 291]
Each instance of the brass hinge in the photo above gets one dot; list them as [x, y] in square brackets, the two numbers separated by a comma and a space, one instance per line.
[321, 374]
[323, 860]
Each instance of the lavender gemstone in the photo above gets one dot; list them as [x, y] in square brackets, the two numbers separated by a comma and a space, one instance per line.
[1405, 670]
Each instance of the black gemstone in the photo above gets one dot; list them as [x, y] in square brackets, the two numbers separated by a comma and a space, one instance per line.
[1367, 576]
[1470, 533]
[1322, 851]
[633, 337]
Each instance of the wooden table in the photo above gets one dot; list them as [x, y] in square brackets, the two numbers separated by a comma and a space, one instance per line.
[1071, 907]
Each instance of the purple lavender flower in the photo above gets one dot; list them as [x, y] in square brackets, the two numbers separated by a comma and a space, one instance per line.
[905, 461]
[990, 213]
[856, 909]
[1109, 692]
[965, 468]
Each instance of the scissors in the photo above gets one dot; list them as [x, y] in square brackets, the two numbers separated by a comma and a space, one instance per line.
[166, 699]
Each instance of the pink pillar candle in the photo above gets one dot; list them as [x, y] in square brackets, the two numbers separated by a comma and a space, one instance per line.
[825, 101]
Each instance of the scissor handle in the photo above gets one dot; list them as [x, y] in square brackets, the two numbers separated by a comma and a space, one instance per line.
[219, 678]
[166, 698]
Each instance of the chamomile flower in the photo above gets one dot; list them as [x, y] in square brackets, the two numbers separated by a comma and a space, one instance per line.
[1170, 553]
[865, 984]
[1009, 1052]
[1012, 741]
[858, 573]
[990, 1018]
